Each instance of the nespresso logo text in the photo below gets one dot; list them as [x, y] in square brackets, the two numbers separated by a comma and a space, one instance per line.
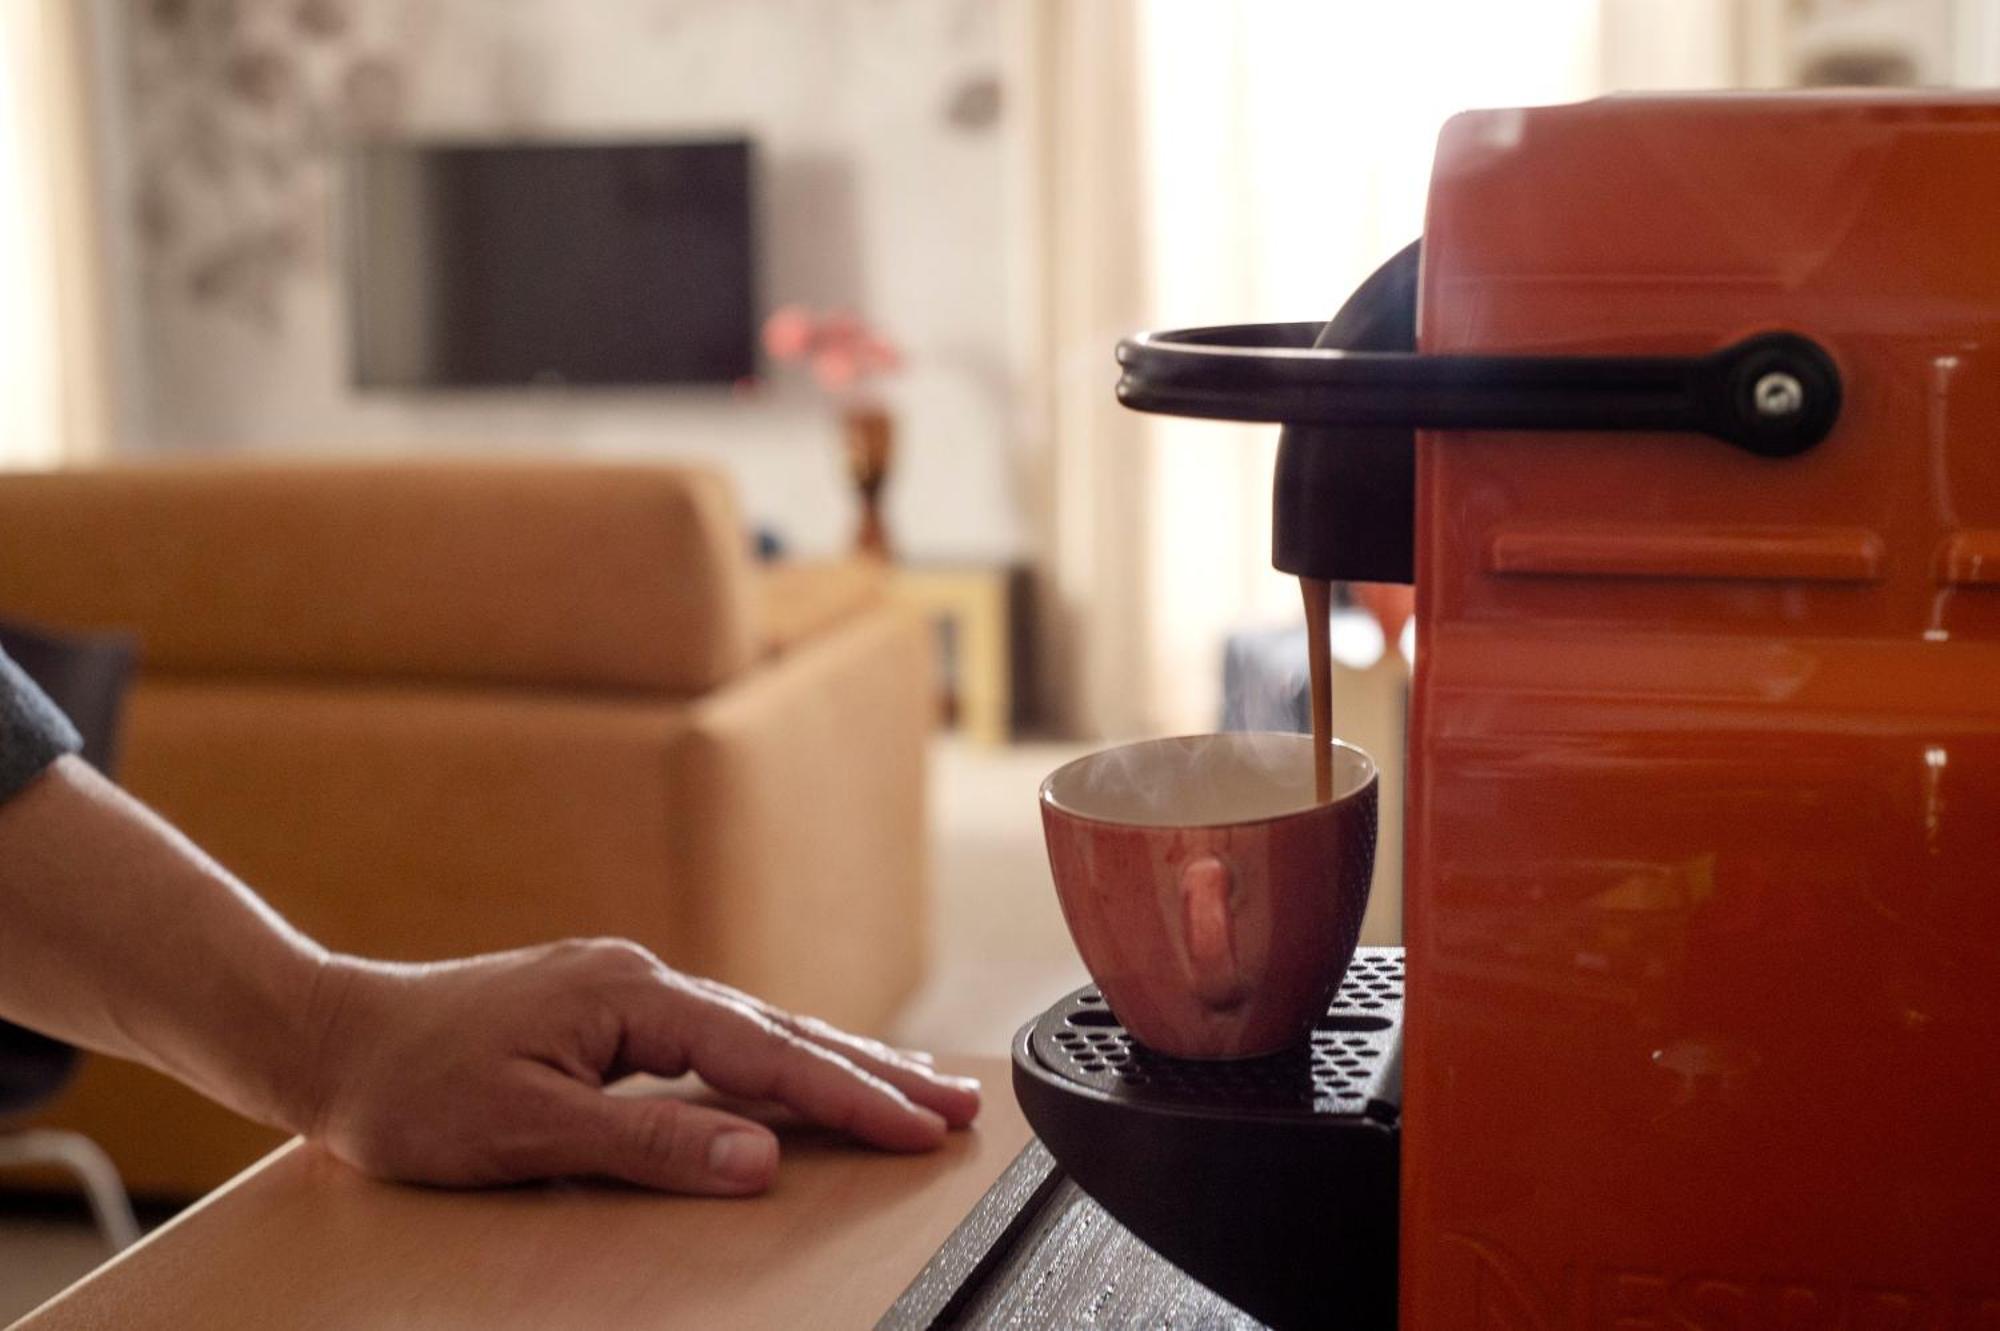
[1500, 1295]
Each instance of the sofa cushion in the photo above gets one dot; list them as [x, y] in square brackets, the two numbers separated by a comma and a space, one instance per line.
[798, 599]
[549, 574]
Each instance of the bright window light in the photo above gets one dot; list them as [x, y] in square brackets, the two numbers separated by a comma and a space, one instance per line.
[1288, 153]
[30, 392]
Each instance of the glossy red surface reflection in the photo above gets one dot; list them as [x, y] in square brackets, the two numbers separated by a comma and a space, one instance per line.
[1703, 911]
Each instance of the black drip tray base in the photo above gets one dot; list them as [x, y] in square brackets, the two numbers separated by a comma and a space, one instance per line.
[1273, 1180]
[1350, 1067]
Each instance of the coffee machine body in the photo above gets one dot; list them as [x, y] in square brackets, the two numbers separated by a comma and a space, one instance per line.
[1684, 418]
[1703, 886]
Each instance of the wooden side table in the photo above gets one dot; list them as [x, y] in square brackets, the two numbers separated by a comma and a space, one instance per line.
[974, 607]
[848, 1238]
[302, 1241]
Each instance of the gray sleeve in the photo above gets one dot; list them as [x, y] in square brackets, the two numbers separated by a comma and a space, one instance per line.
[33, 733]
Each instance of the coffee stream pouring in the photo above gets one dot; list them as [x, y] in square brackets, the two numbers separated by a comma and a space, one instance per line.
[1694, 476]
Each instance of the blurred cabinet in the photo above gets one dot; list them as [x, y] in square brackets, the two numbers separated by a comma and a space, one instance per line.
[978, 611]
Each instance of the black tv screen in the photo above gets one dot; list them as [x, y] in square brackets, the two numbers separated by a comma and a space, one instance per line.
[551, 264]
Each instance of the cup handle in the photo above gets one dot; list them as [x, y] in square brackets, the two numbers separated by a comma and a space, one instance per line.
[1208, 933]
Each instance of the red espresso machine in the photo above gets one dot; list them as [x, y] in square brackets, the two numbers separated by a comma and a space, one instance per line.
[1684, 420]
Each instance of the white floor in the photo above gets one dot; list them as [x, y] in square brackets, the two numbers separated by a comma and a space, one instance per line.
[40, 1256]
[1001, 954]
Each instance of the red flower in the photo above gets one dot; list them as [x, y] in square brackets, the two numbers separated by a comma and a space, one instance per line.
[788, 333]
[839, 348]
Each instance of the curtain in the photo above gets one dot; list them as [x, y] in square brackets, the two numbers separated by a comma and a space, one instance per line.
[1082, 205]
[1222, 162]
[55, 384]
[1289, 154]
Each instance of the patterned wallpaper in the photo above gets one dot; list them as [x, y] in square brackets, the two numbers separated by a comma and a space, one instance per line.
[239, 107]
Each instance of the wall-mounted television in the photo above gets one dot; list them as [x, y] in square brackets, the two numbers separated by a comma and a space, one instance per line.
[551, 263]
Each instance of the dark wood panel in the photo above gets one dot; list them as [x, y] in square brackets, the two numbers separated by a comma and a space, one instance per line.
[1037, 1252]
[981, 1243]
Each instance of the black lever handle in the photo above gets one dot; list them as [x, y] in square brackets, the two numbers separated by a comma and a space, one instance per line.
[1775, 394]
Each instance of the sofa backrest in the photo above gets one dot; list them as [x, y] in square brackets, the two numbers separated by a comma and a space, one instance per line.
[567, 575]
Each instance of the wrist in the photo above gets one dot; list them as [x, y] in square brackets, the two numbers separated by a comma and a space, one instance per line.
[333, 1037]
[246, 1035]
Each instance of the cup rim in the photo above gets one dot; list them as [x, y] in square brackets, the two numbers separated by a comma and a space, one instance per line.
[1047, 800]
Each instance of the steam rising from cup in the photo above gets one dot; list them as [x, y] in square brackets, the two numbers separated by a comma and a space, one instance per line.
[1201, 780]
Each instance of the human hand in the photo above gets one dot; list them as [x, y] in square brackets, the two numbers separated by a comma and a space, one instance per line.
[493, 1069]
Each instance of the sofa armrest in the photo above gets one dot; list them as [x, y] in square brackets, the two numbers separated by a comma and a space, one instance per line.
[799, 599]
[812, 840]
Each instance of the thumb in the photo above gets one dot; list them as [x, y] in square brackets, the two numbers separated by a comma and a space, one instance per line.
[668, 1144]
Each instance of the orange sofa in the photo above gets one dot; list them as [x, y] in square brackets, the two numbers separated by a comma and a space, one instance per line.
[435, 709]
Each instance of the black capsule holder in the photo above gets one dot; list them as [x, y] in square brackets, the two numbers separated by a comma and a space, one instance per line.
[1776, 394]
[1351, 394]
[1272, 1180]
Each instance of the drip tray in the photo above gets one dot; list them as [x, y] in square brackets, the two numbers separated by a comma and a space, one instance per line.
[1351, 1067]
[1271, 1180]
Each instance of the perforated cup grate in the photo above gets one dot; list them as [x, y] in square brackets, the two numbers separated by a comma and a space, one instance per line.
[1339, 1072]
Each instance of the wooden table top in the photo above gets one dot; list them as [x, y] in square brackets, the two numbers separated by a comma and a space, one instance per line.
[300, 1240]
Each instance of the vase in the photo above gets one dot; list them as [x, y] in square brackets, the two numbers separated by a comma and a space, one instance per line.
[869, 435]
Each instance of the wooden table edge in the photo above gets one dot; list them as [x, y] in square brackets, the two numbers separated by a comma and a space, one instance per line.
[109, 1285]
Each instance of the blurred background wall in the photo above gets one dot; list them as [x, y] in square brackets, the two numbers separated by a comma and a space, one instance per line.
[1005, 187]
[880, 132]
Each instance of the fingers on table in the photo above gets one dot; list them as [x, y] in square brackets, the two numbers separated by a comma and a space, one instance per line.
[740, 1051]
[955, 1099]
[662, 1143]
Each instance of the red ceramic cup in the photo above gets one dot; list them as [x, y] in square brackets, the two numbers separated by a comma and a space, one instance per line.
[1213, 900]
